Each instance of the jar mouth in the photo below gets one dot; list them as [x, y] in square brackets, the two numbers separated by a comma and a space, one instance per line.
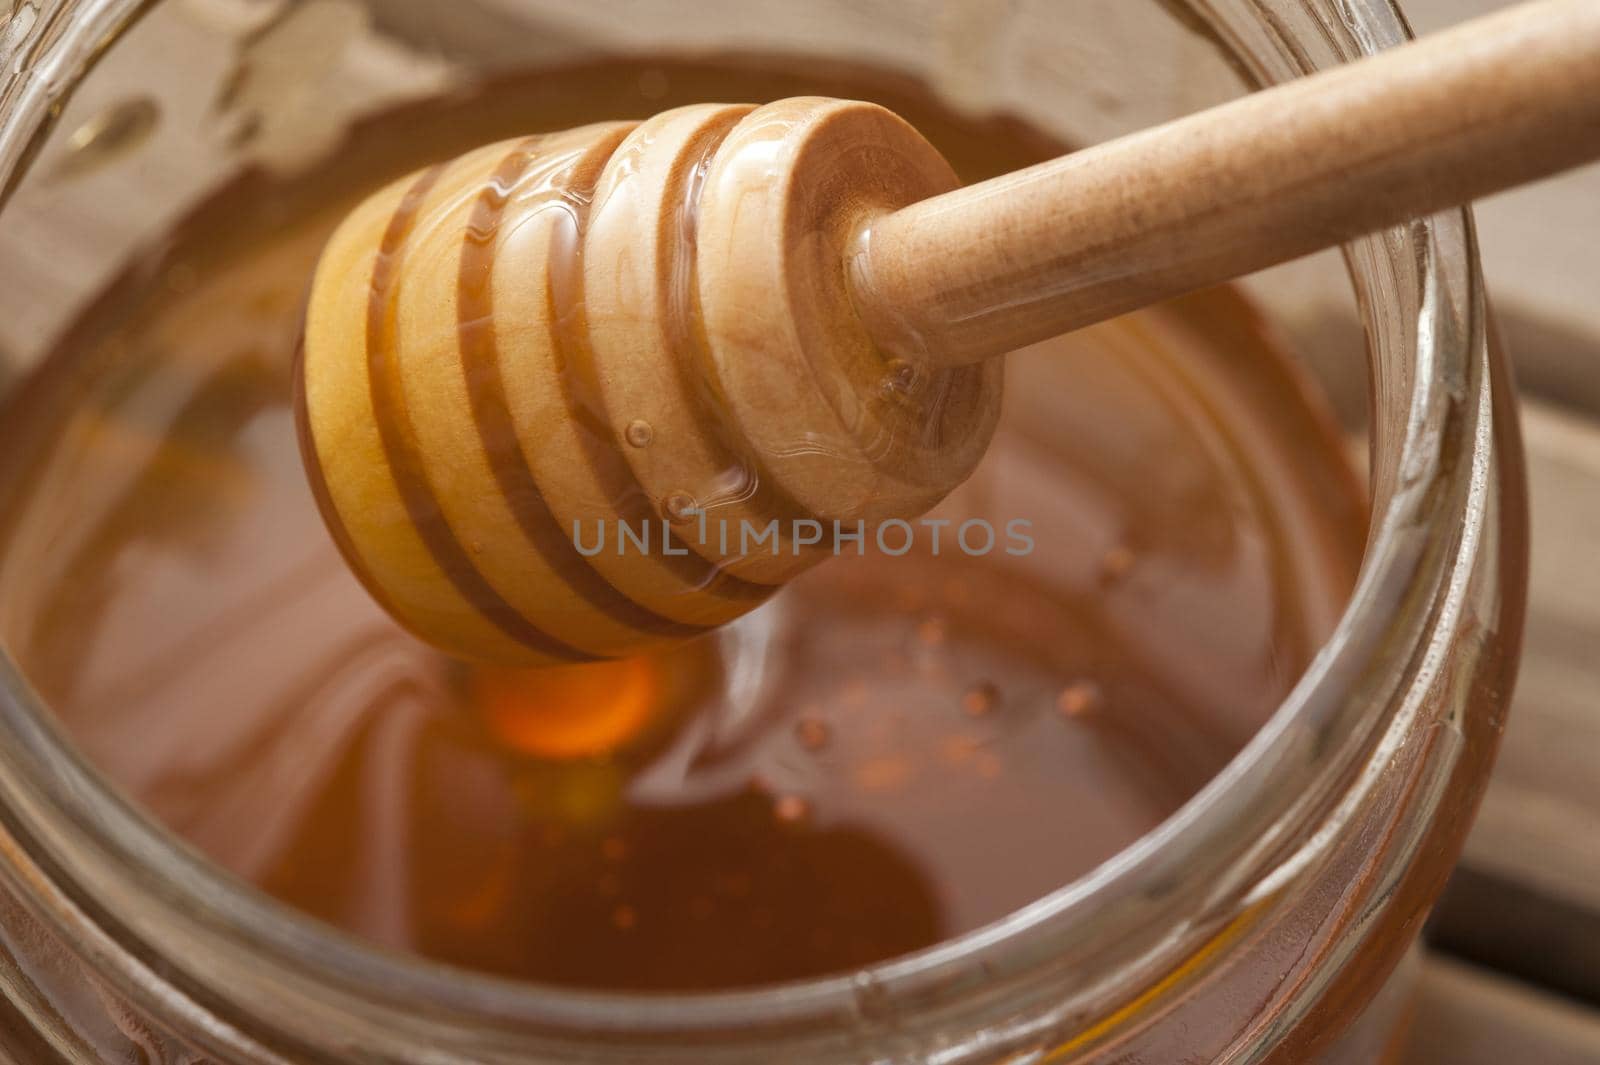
[132, 892]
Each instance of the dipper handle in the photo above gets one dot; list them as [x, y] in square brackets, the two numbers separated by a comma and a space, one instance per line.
[1496, 102]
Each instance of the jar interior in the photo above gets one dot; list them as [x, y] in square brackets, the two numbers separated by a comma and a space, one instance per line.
[843, 778]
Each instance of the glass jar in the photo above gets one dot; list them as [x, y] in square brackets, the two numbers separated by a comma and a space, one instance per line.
[1264, 922]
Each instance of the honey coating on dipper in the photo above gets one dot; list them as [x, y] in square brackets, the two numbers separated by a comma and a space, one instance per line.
[636, 330]
[896, 749]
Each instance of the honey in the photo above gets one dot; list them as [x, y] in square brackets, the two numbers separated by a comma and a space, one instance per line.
[904, 746]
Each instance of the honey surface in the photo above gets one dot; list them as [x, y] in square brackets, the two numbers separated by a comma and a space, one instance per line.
[894, 751]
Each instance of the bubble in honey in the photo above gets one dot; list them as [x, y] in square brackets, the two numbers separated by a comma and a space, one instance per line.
[680, 506]
[899, 376]
[872, 999]
[624, 918]
[109, 136]
[980, 700]
[931, 632]
[812, 733]
[1116, 564]
[639, 433]
[791, 809]
[1078, 698]
[613, 848]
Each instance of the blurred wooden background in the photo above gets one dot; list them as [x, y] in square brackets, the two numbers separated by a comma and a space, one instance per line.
[1514, 973]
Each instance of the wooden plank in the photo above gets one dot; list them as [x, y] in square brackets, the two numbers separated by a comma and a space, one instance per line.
[1469, 1016]
[1542, 820]
[1527, 899]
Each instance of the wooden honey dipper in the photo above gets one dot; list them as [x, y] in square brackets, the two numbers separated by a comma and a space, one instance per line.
[726, 317]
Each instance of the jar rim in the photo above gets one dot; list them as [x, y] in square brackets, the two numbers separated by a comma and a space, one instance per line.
[1140, 905]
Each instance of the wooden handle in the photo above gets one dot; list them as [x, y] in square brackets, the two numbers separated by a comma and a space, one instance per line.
[987, 269]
